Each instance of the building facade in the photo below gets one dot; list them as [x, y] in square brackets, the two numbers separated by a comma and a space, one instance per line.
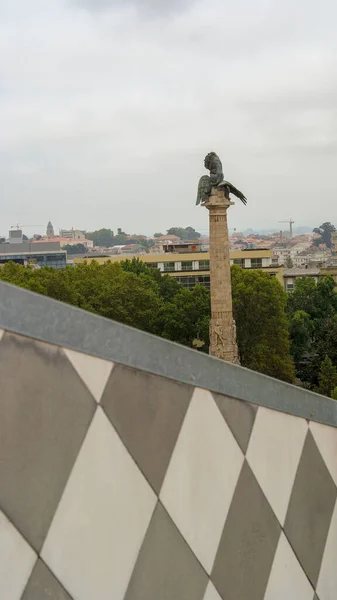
[192, 268]
[89, 244]
[334, 247]
[47, 254]
[72, 234]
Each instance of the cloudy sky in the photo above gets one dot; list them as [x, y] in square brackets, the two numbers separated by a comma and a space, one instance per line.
[108, 107]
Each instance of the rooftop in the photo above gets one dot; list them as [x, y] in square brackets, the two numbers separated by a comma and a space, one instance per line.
[294, 272]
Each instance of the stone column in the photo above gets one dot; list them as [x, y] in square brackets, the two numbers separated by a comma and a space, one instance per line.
[222, 327]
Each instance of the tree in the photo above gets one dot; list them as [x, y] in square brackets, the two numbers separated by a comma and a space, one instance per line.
[325, 339]
[186, 317]
[192, 234]
[101, 237]
[319, 300]
[120, 240]
[140, 241]
[324, 231]
[187, 233]
[327, 378]
[128, 298]
[289, 263]
[300, 330]
[168, 287]
[75, 248]
[131, 293]
[157, 235]
[334, 394]
[312, 312]
[262, 329]
[136, 266]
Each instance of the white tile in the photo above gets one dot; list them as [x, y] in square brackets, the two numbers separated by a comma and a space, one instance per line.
[274, 451]
[326, 440]
[1, 334]
[102, 518]
[202, 476]
[327, 581]
[17, 560]
[287, 578]
[92, 370]
[211, 593]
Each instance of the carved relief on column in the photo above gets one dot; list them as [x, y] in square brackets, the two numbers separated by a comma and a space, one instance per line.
[223, 338]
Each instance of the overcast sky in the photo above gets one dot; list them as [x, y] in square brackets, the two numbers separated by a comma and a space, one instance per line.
[108, 107]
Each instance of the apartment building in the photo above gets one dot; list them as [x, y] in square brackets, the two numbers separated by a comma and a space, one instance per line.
[191, 268]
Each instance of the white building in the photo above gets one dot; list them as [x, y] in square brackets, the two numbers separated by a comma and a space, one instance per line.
[72, 234]
[282, 254]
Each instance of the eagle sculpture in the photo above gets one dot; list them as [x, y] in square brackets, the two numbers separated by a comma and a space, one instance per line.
[213, 164]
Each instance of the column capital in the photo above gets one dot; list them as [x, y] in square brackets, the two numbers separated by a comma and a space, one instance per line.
[217, 198]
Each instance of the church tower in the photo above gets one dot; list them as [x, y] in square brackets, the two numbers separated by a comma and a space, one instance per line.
[50, 230]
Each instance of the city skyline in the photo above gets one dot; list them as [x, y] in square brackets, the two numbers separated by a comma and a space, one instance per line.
[41, 230]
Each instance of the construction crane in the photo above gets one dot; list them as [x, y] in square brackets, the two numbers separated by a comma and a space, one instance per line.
[18, 226]
[290, 223]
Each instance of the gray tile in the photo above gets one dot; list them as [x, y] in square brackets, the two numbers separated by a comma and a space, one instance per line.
[166, 568]
[248, 543]
[310, 509]
[147, 412]
[239, 416]
[42, 585]
[45, 411]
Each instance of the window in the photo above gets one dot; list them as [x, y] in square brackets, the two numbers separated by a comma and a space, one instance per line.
[168, 267]
[256, 263]
[240, 262]
[204, 280]
[152, 265]
[203, 265]
[290, 287]
[186, 265]
[190, 282]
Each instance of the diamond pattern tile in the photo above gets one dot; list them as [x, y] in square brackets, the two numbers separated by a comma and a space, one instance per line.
[240, 417]
[166, 568]
[248, 543]
[42, 585]
[118, 484]
[93, 371]
[287, 578]
[273, 454]
[211, 593]
[143, 406]
[43, 420]
[310, 509]
[101, 521]
[199, 485]
[17, 559]
[327, 582]
[326, 440]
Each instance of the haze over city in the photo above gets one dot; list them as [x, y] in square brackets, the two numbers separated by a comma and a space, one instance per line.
[108, 109]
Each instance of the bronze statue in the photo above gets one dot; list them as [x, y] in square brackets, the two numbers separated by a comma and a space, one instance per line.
[213, 164]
